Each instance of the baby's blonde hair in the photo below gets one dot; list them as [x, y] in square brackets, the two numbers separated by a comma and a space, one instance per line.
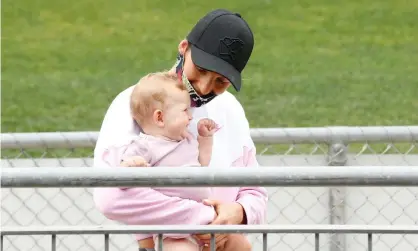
[151, 93]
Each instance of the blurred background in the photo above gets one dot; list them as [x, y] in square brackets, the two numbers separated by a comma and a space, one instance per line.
[315, 63]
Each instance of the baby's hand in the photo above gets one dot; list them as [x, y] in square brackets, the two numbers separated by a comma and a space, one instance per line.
[135, 161]
[207, 127]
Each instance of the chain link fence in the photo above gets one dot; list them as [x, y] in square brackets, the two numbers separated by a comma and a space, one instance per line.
[332, 146]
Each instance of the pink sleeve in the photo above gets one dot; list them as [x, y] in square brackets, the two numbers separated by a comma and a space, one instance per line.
[252, 199]
[145, 206]
[137, 148]
[114, 155]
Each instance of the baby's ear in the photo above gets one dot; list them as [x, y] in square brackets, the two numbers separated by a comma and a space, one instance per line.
[157, 117]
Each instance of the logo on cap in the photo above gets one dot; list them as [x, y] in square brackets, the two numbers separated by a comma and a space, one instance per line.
[230, 47]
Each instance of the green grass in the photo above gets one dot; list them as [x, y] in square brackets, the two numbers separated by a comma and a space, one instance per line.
[315, 63]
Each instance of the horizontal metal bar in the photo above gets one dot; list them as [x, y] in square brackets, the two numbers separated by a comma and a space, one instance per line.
[299, 135]
[219, 177]
[48, 140]
[184, 229]
[346, 134]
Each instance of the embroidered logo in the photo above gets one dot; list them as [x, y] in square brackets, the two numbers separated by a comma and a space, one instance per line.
[230, 47]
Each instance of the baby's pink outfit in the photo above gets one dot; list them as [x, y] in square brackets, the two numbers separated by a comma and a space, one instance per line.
[163, 152]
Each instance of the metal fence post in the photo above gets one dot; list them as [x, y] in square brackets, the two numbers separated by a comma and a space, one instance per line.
[337, 156]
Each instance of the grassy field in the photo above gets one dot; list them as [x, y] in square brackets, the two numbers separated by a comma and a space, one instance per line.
[315, 63]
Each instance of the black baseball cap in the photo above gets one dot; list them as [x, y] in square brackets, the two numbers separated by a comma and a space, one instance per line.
[222, 42]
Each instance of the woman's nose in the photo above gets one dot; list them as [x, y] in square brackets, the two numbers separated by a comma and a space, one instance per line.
[203, 86]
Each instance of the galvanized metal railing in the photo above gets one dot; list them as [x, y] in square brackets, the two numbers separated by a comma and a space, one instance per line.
[328, 135]
[330, 203]
[316, 230]
[219, 177]
[181, 176]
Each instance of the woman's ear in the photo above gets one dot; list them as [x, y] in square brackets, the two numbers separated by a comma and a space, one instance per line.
[158, 119]
[183, 46]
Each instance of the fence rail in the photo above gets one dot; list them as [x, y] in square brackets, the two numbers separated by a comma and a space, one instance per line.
[218, 177]
[340, 148]
[346, 134]
[161, 230]
[215, 229]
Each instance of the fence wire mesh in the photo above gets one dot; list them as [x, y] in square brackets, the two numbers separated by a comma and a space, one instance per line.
[296, 205]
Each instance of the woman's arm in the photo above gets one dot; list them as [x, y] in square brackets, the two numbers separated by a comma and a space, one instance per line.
[252, 199]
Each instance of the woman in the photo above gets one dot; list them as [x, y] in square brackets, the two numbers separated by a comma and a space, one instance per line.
[209, 61]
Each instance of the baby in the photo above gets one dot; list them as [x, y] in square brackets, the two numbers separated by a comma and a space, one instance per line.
[161, 107]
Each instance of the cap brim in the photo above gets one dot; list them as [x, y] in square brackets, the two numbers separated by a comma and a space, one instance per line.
[211, 63]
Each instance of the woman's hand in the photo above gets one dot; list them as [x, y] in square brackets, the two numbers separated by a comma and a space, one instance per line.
[230, 213]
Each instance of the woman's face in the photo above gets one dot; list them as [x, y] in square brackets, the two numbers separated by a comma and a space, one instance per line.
[203, 81]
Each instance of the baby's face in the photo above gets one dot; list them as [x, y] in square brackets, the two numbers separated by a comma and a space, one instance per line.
[177, 115]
